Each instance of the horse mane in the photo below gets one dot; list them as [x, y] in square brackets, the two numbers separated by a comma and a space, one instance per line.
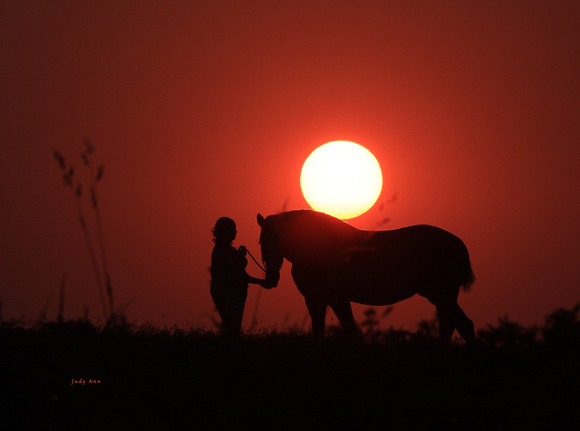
[316, 218]
[312, 235]
[293, 214]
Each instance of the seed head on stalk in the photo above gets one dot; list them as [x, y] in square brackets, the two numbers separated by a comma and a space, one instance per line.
[95, 178]
[68, 177]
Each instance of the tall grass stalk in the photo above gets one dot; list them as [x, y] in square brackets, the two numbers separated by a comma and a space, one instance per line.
[90, 149]
[68, 177]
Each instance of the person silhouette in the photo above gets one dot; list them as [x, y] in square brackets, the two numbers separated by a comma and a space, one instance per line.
[229, 279]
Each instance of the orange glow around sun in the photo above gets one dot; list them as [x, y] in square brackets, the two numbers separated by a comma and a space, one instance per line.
[342, 179]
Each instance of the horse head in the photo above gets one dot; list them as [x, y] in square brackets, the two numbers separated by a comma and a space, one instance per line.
[271, 256]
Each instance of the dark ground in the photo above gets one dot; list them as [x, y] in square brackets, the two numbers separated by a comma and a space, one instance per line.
[169, 379]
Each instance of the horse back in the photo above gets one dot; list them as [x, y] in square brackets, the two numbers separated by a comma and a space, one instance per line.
[416, 240]
[416, 254]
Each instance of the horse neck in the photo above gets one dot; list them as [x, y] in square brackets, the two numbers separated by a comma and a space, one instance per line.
[317, 238]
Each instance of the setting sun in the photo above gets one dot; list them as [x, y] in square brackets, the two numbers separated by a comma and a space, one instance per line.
[342, 179]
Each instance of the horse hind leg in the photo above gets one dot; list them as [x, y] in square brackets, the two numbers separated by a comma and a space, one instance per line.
[446, 321]
[452, 317]
[464, 325]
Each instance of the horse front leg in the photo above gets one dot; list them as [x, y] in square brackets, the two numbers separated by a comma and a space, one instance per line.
[317, 312]
[343, 312]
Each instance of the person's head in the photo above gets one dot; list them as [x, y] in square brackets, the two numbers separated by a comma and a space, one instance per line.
[224, 231]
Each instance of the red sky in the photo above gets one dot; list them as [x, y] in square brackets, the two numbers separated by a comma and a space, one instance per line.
[204, 109]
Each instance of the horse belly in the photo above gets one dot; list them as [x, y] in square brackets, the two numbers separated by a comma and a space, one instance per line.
[374, 291]
[371, 278]
[366, 278]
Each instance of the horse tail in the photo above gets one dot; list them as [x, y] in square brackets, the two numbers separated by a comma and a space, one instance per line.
[468, 278]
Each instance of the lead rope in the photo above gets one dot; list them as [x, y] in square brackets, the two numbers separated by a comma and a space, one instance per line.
[259, 295]
[254, 259]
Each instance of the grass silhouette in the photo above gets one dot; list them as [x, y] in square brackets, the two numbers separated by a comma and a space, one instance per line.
[178, 377]
[100, 271]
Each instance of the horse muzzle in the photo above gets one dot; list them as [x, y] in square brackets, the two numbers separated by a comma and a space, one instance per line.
[272, 278]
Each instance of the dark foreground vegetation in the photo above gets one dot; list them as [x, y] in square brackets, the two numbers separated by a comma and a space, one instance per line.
[133, 377]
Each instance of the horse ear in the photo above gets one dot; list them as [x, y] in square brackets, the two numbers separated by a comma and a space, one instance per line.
[260, 219]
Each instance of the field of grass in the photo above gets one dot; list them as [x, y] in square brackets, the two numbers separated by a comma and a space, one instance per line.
[516, 378]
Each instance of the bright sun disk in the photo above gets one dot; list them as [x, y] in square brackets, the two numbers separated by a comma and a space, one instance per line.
[342, 179]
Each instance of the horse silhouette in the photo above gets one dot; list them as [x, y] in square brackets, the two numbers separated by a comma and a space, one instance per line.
[334, 264]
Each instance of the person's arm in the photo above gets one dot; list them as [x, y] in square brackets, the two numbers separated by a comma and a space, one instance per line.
[254, 280]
